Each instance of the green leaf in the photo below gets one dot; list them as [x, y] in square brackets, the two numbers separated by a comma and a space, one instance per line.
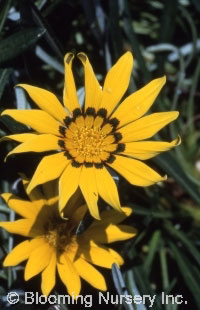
[178, 234]
[153, 247]
[132, 37]
[161, 214]
[115, 30]
[4, 75]
[171, 166]
[12, 125]
[185, 268]
[4, 12]
[18, 42]
[144, 285]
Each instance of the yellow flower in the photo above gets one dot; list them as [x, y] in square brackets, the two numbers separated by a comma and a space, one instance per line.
[101, 135]
[52, 243]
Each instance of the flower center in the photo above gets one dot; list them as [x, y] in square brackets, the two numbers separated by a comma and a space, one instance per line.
[58, 233]
[90, 138]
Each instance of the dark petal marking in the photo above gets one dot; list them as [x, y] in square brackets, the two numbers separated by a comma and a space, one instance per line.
[114, 122]
[67, 121]
[90, 111]
[76, 164]
[61, 143]
[68, 59]
[117, 136]
[88, 164]
[62, 130]
[68, 155]
[76, 112]
[120, 147]
[110, 159]
[102, 112]
[98, 165]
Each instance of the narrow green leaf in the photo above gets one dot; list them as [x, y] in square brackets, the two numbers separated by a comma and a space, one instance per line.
[129, 31]
[4, 12]
[12, 125]
[31, 15]
[185, 240]
[18, 42]
[184, 266]
[4, 75]
[145, 286]
[153, 247]
[115, 29]
[170, 165]
[164, 268]
[162, 214]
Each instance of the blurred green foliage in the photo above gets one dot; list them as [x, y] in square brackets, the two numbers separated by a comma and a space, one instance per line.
[164, 39]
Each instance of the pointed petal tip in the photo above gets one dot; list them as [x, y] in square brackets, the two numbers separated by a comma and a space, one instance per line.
[127, 210]
[96, 216]
[162, 80]
[29, 188]
[178, 140]
[176, 114]
[20, 85]
[129, 57]
[164, 178]
[6, 262]
[6, 196]
[26, 277]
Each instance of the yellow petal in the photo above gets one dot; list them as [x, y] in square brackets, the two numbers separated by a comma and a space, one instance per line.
[69, 96]
[50, 168]
[93, 92]
[50, 190]
[22, 207]
[35, 196]
[20, 227]
[137, 104]
[21, 252]
[116, 82]
[74, 203]
[68, 184]
[21, 137]
[77, 215]
[88, 187]
[38, 260]
[38, 120]
[18, 254]
[118, 259]
[147, 126]
[49, 276]
[90, 274]
[69, 275]
[46, 101]
[39, 143]
[97, 255]
[136, 172]
[112, 216]
[111, 233]
[148, 149]
[107, 188]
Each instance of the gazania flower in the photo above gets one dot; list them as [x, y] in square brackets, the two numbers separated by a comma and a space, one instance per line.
[51, 242]
[102, 135]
